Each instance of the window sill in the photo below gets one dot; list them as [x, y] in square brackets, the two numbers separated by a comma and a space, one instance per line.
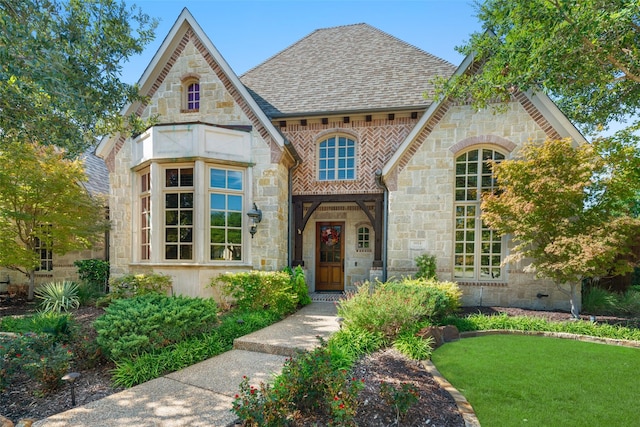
[476, 283]
[227, 264]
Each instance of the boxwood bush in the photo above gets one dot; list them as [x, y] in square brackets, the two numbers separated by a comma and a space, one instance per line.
[149, 322]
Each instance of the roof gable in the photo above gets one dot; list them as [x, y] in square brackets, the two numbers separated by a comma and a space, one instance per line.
[184, 30]
[345, 69]
[538, 105]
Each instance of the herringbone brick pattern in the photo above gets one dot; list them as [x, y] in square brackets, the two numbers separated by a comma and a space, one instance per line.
[376, 141]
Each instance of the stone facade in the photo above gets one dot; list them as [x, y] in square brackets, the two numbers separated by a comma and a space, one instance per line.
[421, 205]
[265, 180]
[403, 186]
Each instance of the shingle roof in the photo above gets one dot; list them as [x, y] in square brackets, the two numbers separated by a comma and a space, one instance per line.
[347, 68]
[97, 174]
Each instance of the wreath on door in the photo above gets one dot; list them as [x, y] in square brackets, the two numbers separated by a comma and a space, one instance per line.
[330, 236]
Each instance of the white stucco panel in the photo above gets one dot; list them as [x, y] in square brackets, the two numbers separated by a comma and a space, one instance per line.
[191, 140]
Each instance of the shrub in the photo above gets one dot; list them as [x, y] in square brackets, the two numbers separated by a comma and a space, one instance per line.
[426, 267]
[350, 343]
[39, 355]
[479, 322]
[299, 285]
[94, 273]
[309, 383]
[58, 324]
[48, 369]
[58, 296]
[133, 371]
[394, 306]
[258, 290]
[149, 322]
[133, 285]
[597, 300]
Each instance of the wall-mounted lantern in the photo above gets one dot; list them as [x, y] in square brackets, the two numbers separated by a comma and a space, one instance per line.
[255, 215]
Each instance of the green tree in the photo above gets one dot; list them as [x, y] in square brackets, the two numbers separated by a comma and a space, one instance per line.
[60, 68]
[43, 203]
[565, 222]
[585, 54]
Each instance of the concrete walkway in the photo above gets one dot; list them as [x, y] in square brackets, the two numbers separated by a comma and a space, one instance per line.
[202, 394]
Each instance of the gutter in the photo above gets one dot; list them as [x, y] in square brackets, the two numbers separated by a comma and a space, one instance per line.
[385, 221]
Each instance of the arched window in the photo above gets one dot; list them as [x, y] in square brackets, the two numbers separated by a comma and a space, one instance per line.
[337, 158]
[478, 249]
[190, 93]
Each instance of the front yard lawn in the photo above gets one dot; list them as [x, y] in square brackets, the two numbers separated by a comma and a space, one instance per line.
[514, 380]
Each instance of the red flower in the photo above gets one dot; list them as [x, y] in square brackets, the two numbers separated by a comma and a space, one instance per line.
[341, 406]
[336, 398]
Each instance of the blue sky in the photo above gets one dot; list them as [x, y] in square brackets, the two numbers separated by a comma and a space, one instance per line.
[247, 32]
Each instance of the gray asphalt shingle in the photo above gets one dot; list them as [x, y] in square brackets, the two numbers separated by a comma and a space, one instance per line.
[347, 68]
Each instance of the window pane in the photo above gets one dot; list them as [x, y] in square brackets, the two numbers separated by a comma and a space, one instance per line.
[217, 178]
[185, 235]
[235, 180]
[217, 235]
[171, 235]
[234, 219]
[186, 251]
[218, 201]
[171, 218]
[171, 178]
[234, 236]
[217, 219]
[186, 200]
[186, 177]
[171, 252]
[235, 203]
[186, 218]
[171, 200]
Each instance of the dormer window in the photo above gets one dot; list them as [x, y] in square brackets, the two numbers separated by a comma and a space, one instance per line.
[191, 94]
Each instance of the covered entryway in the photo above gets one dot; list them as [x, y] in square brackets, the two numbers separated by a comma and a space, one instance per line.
[330, 256]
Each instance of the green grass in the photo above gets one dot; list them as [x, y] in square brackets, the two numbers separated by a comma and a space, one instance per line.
[513, 380]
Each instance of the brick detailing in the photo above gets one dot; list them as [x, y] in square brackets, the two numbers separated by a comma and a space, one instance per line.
[276, 151]
[483, 139]
[376, 141]
[536, 115]
[435, 118]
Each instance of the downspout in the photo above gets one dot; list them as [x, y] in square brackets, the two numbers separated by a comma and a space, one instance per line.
[385, 222]
[291, 219]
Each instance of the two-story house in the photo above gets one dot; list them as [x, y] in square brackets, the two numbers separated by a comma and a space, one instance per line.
[332, 155]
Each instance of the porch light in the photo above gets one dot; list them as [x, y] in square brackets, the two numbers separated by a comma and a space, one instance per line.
[255, 215]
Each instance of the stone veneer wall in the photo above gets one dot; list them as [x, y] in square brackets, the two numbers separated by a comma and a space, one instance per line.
[421, 214]
[267, 182]
[63, 268]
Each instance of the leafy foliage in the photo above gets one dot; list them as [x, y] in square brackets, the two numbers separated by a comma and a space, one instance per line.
[145, 367]
[393, 306]
[309, 383]
[42, 201]
[61, 64]
[479, 322]
[58, 296]
[93, 272]
[584, 54]
[149, 322]
[133, 285]
[560, 216]
[258, 290]
[42, 356]
[426, 267]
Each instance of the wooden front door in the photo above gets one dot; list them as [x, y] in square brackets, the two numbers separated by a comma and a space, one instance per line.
[330, 256]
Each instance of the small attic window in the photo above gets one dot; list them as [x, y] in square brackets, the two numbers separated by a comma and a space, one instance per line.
[191, 94]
